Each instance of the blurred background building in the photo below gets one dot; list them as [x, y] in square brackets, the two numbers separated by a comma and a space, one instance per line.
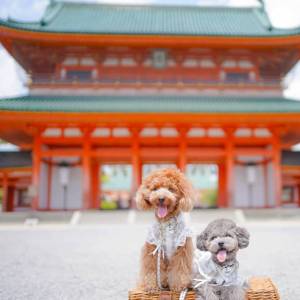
[116, 91]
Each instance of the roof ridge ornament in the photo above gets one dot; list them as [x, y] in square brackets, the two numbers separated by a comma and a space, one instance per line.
[262, 2]
[264, 16]
[51, 11]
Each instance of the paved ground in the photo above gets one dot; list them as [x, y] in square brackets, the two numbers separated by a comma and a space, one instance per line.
[100, 261]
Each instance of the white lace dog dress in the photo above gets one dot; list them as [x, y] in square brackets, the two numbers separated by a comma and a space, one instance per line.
[168, 236]
[207, 272]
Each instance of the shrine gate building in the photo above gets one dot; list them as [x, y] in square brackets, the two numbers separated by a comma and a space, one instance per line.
[131, 87]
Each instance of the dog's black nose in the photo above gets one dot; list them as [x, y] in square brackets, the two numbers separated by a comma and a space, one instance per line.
[161, 200]
[221, 244]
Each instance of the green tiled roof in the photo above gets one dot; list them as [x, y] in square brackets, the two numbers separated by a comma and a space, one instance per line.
[12, 159]
[290, 158]
[150, 104]
[148, 20]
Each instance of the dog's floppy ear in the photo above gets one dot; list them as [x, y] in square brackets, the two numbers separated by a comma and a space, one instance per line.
[187, 201]
[142, 198]
[201, 241]
[243, 237]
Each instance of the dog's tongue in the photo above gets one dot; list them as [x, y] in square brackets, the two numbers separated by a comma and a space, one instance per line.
[162, 211]
[221, 256]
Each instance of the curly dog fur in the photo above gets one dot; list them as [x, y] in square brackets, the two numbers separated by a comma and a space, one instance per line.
[222, 238]
[168, 193]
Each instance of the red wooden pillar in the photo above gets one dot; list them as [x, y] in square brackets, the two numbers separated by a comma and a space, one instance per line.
[99, 185]
[10, 198]
[86, 170]
[36, 170]
[277, 169]
[95, 185]
[182, 161]
[222, 185]
[136, 165]
[49, 184]
[229, 164]
[5, 192]
[298, 190]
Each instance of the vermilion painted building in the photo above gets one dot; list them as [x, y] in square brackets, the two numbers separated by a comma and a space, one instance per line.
[140, 85]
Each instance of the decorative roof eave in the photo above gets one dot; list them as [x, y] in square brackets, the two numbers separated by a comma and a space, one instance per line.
[19, 118]
[27, 169]
[8, 33]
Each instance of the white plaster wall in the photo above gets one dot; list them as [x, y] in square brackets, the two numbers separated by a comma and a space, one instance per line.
[74, 190]
[240, 197]
[245, 194]
[43, 187]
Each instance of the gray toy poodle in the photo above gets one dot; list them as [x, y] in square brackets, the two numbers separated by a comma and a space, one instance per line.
[215, 265]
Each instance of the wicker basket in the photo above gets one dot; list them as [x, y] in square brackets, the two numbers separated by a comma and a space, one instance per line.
[260, 289]
[165, 295]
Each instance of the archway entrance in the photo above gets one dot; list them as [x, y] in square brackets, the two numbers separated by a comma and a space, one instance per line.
[203, 176]
[205, 180]
[115, 186]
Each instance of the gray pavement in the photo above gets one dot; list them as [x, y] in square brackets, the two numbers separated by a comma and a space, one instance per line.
[99, 259]
[105, 217]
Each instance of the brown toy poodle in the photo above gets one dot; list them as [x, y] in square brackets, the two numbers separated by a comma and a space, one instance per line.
[167, 255]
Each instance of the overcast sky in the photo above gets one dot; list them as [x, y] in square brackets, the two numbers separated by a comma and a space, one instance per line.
[282, 14]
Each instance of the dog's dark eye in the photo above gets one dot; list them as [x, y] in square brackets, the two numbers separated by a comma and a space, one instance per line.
[213, 237]
[172, 190]
[228, 235]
